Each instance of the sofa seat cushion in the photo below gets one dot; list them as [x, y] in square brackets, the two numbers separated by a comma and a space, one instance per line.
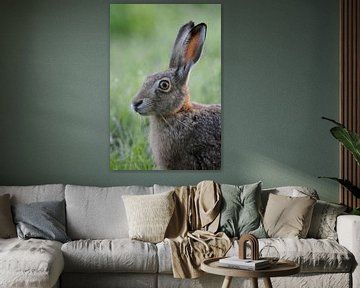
[115, 255]
[313, 255]
[164, 257]
[30, 263]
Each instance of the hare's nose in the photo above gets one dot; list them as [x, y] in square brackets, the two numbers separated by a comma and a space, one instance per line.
[136, 105]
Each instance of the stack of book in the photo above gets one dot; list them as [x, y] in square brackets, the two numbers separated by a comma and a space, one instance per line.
[248, 264]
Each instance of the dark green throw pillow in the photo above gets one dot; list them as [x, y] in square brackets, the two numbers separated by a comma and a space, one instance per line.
[240, 210]
[43, 220]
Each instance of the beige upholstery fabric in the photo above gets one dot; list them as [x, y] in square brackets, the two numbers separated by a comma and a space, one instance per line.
[148, 216]
[30, 263]
[323, 255]
[314, 255]
[287, 216]
[108, 280]
[206, 281]
[314, 280]
[164, 257]
[163, 188]
[117, 255]
[98, 213]
[348, 229]
[37, 193]
[330, 280]
[7, 226]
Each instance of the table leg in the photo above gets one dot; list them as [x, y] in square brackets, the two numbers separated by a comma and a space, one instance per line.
[254, 282]
[227, 282]
[267, 283]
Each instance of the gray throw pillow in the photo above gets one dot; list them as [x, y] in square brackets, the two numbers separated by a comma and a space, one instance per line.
[240, 213]
[44, 220]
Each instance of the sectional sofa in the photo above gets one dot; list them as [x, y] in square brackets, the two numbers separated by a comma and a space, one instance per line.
[100, 253]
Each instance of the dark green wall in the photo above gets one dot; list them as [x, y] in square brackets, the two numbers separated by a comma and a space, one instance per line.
[280, 75]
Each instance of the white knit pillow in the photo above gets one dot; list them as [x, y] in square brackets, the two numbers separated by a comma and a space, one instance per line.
[149, 215]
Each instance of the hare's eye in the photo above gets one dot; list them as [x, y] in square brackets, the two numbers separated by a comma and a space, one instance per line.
[164, 85]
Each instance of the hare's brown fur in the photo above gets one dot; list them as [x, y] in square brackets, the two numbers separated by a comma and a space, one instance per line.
[183, 135]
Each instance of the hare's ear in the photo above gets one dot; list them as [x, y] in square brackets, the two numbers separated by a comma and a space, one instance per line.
[188, 47]
[178, 45]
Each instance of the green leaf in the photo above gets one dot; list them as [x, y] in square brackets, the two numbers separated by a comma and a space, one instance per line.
[347, 184]
[355, 211]
[348, 138]
[333, 121]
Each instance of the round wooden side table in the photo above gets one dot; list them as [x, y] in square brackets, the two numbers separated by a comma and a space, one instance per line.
[281, 268]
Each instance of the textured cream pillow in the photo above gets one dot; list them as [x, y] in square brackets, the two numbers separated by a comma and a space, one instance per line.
[7, 226]
[288, 217]
[149, 215]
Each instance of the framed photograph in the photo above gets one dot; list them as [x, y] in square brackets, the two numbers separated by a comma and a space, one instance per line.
[165, 87]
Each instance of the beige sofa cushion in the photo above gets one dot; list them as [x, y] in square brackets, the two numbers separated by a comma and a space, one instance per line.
[287, 216]
[98, 213]
[117, 255]
[30, 263]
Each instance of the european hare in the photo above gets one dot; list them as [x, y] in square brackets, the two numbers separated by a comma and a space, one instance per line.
[183, 135]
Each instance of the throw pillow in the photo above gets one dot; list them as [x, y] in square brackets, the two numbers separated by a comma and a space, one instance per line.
[7, 227]
[240, 210]
[149, 215]
[323, 222]
[288, 217]
[44, 220]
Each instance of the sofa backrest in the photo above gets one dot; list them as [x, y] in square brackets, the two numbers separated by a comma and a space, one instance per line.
[163, 188]
[36, 193]
[98, 213]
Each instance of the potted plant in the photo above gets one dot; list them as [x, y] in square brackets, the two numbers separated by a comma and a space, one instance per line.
[351, 141]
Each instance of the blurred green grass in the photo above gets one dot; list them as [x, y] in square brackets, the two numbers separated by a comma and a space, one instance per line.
[141, 39]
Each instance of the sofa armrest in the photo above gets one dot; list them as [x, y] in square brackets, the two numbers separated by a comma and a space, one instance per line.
[348, 230]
